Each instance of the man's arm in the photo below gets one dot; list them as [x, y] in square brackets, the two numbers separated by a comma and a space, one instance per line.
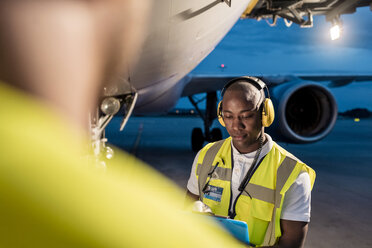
[293, 234]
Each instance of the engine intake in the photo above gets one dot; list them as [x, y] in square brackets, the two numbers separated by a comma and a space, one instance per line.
[306, 111]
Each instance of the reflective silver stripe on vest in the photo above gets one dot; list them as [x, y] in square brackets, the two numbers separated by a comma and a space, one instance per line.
[206, 167]
[283, 173]
[220, 172]
[260, 192]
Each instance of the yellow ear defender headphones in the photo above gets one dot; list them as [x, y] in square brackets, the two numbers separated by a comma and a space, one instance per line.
[268, 114]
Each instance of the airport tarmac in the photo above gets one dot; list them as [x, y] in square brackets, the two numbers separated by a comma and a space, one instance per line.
[342, 195]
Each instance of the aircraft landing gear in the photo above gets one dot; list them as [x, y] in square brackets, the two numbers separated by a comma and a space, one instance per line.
[197, 136]
[100, 119]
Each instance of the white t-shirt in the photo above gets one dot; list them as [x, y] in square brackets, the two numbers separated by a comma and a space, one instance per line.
[296, 205]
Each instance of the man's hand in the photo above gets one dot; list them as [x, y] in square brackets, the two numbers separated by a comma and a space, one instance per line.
[200, 207]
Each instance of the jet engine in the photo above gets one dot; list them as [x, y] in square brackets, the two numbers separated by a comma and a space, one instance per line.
[305, 112]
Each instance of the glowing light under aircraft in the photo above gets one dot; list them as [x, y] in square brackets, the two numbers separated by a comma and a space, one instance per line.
[336, 28]
[335, 32]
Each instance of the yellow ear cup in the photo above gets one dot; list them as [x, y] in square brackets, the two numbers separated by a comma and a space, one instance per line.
[268, 114]
[219, 114]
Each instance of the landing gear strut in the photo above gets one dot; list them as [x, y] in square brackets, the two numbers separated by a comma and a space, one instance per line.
[197, 136]
[101, 118]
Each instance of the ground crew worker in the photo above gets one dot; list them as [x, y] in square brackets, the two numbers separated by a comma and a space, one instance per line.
[55, 57]
[248, 176]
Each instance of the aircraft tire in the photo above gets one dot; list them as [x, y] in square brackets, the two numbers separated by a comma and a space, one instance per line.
[197, 139]
[216, 134]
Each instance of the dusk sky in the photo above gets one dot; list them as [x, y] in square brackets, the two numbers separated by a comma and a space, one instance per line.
[255, 48]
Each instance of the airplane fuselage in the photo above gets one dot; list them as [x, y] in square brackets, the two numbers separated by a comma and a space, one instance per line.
[180, 35]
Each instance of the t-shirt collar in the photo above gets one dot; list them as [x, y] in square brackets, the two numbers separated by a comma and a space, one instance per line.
[265, 149]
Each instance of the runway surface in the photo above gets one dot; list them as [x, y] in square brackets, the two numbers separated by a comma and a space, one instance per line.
[342, 195]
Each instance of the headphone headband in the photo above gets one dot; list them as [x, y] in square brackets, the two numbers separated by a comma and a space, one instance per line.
[256, 82]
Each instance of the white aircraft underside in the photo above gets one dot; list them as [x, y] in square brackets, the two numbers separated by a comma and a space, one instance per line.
[180, 35]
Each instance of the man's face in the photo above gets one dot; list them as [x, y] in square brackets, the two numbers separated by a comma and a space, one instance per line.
[242, 119]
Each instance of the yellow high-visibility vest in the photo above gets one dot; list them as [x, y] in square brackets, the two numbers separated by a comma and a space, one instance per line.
[260, 203]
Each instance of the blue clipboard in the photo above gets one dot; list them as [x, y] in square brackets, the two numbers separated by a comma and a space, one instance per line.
[237, 228]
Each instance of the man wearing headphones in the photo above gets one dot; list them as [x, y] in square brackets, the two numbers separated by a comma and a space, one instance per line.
[248, 176]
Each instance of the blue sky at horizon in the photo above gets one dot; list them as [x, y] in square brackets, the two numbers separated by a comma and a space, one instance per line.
[254, 48]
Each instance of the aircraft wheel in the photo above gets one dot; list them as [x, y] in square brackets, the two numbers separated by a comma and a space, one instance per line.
[197, 139]
[216, 134]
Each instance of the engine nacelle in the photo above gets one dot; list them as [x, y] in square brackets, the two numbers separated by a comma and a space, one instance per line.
[305, 112]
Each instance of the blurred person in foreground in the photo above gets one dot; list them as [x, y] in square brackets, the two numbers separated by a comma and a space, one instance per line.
[248, 176]
[55, 57]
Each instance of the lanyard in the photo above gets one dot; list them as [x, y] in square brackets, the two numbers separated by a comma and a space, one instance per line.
[253, 168]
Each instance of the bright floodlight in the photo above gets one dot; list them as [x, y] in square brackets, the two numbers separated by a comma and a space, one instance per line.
[335, 32]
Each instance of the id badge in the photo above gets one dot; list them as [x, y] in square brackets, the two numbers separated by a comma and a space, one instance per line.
[213, 193]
